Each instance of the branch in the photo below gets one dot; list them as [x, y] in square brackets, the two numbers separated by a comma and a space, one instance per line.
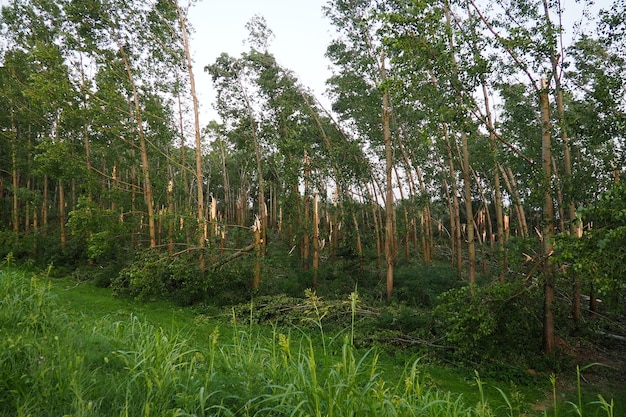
[234, 256]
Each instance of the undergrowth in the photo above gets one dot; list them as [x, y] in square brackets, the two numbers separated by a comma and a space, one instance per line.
[54, 362]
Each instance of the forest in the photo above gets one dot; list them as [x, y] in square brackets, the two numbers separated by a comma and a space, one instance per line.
[464, 185]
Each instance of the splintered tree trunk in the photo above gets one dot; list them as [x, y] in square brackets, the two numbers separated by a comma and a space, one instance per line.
[548, 217]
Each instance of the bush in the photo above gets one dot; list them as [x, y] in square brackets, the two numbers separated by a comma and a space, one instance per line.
[500, 320]
[419, 284]
[154, 274]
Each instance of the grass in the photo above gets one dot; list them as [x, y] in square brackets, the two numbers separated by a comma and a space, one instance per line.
[71, 349]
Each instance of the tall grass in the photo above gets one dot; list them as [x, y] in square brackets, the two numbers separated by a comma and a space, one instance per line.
[58, 363]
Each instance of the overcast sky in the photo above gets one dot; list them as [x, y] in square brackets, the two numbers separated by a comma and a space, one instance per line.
[301, 37]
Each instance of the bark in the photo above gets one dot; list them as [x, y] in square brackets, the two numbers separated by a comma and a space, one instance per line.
[575, 227]
[456, 216]
[547, 219]
[305, 221]
[170, 216]
[62, 213]
[509, 179]
[202, 238]
[377, 225]
[428, 223]
[316, 240]
[44, 206]
[497, 192]
[259, 253]
[14, 181]
[359, 247]
[465, 167]
[389, 200]
[147, 185]
[471, 246]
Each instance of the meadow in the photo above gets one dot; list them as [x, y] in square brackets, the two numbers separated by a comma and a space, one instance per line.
[69, 348]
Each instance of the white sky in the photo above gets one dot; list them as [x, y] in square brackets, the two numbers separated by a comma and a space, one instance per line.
[301, 35]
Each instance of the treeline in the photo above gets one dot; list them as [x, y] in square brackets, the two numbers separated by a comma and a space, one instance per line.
[458, 131]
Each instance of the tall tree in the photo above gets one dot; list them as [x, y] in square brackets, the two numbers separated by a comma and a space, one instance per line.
[362, 77]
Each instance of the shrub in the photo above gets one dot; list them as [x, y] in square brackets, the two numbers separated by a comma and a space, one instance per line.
[500, 320]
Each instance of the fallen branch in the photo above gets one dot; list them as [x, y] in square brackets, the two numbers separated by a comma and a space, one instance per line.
[234, 256]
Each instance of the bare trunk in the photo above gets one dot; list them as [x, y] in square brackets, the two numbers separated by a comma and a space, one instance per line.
[62, 213]
[316, 240]
[547, 220]
[256, 229]
[509, 179]
[471, 246]
[359, 247]
[428, 222]
[202, 236]
[497, 192]
[170, 216]
[305, 221]
[44, 206]
[455, 206]
[389, 200]
[15, 183]
[147, 186]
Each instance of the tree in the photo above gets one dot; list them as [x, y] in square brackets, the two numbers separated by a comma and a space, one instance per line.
[359, 56]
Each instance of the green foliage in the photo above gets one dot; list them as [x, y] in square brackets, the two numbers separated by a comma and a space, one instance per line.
[85, 365]
[153, 274]
[599, 257]
[500, 320]
[420, 284]
[104, 235]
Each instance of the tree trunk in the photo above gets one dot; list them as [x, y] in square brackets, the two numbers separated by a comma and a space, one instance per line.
[509, 180]
[389, 200]
[547, 220]
[170, 216]
[44, 206]
[305, 220]
[202, 236]
[15, 183]
[316, 240]
[62, 213]
[147, 186]
[471, 246]
[455, 205]
[256, 229]
[428, 223]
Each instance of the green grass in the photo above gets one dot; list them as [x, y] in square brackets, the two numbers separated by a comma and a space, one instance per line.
[70, 348]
